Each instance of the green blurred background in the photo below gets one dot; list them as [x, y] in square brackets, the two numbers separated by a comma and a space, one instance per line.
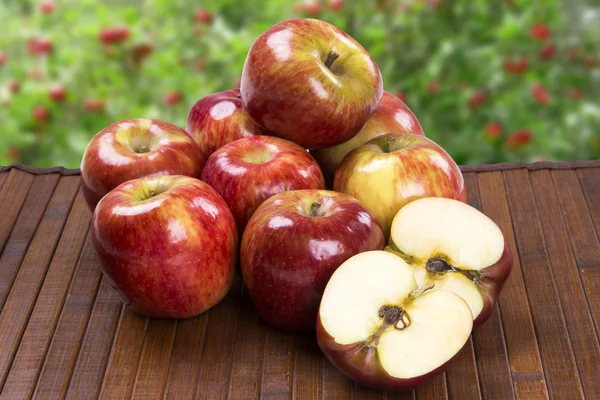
[490, 81]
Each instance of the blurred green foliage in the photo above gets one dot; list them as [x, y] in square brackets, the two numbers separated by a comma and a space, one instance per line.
[489, 80]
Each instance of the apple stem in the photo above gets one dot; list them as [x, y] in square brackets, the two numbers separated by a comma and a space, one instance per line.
[387, 146]
[315, 210]
[331, 57]
[416, 293]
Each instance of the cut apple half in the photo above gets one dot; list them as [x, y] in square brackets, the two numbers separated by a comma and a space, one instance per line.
[455, 246]
[383, 330]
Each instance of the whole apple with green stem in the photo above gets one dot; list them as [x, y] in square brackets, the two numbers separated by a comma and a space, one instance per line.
[248, 171]
[168, 244]
[218, 119]
[455, 246]
[392, 170]
[383, 330]
[390, 116]
[310, 82]
[293, 243]
[136, 148]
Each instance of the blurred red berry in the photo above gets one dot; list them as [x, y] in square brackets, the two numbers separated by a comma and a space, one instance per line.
[547, 52]
[35, 74]
[434, 87]
[336, 5]
[401, 95]
[576, 94]
[477, 99]
[516, 65]
[590, 62]
[58, 93]
[39, 46]
[94, 105]
[204, 17]
[173, 98]
[141, 51]
[113, 35]
[519, 139]
[311, 8]
[47, 6]
[540, 32]
[3, 58]
[12, 153]
[14, 86]
[435, 3]
[541, 95]
[493, 131]
[41, 114]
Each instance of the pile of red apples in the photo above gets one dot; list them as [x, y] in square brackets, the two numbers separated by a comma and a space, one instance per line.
[317, 186]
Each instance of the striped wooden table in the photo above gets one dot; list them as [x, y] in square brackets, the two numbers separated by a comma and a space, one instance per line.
[65, 334]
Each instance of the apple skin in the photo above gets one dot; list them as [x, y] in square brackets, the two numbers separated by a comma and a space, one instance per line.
[169, 256]
[218, 119]
[288, 90]
[111, 157]
[390, 116]
[361, 364]
[384, 181]
[244, 185]
[288, 256]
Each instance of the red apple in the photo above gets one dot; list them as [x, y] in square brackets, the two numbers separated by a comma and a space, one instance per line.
[293, 243]
[455, 246]
[168, 244]
[58, 93]
[380, 328]
[41, 114]
[391, 170]
[308, 81]
[3, 58]
[390, 116]
[94, 105]
[47, 6]
[114, 34]
[173, 98]
[218, 119]
[136, 148]
[248, 171]
[204, 17]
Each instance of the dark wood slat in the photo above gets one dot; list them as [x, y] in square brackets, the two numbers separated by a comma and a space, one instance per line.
[276, 379]
[12, 196]
[488, 340]
[584, 229]
[308, 358]
[215, 366]
[125, 356]
[23, 231]
[556, 351]
[248, 348]
[186, 357]
[88, 374]
[44, 317]
[406, 395]
[568, 282]
[335, 384]
[25, 289]
[154, 362]
[365, 393]
[3, 176]
[463, 381]
[58, 366]
[435, 388]
[519, 333]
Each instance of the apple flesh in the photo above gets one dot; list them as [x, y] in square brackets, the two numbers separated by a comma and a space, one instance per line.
[392, 170]
[293, 243]
[250, 170]
[168, 244]
[376, 325]
[455, 246]
[390, 116]
[218, 119]
[310, 82]
[136, 148]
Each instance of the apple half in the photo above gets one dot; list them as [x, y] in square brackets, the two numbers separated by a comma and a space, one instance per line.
[381, 329]
[455, 246]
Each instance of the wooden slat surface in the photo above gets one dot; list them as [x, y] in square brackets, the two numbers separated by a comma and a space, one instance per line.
[64, 332]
